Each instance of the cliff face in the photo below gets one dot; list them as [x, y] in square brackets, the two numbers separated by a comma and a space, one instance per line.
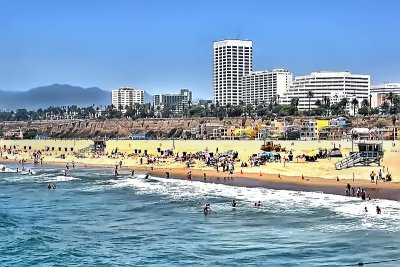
[159, 127]
[114, 127]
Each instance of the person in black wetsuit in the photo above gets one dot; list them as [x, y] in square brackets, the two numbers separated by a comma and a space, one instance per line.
[207, 209]
[234, 203]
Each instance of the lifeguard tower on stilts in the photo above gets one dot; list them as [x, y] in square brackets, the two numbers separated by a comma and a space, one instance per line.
[369, 152]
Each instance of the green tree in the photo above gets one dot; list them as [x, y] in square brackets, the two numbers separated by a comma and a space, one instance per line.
[310, 95]
[354, 103]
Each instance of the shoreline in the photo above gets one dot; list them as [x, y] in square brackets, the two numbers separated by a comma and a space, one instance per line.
[382, 190]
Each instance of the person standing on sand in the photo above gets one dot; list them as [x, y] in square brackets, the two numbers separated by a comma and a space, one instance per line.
[133, 173]
[205, 177]
[167, 173]
[73, 164]
[372, 175]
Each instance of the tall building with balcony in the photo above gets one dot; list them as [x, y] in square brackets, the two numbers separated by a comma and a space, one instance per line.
[177, 102]
[263, 86]
[336, 85]
[126, 96]
[232, 60]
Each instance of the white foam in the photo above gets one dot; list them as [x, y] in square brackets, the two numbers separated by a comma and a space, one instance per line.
[61, 179]
[282, 201]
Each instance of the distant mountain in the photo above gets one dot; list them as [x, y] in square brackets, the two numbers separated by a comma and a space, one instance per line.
[57, 95]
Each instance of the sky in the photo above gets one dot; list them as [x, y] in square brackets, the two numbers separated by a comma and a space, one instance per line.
[164, 45]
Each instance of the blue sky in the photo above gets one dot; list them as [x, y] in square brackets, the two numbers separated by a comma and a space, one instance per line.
[162, 46]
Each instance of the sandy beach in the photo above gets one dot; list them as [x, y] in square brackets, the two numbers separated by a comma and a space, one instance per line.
[296, 175]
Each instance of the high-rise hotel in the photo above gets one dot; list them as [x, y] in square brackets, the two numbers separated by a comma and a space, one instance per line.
[232, 60]
[265, 86]
[126, 96]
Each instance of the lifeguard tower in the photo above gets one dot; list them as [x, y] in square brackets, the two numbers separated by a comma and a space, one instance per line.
[369, 151]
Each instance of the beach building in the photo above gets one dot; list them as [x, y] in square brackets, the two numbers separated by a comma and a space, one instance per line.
[126, 96]
[379, 93]
[206, 130]
[265, 86]
[338, 122]
[335, 85]
[177, 102]
[308, 130]
[14, 134]
[232, 60]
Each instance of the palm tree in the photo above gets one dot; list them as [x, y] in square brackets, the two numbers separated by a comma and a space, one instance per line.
[390, 97]
[365, 103]
[370, 101]
[310, 95]
[294, 102]
[394, 119]
[354, 103]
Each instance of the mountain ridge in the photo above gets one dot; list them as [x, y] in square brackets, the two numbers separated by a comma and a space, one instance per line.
[56, 95]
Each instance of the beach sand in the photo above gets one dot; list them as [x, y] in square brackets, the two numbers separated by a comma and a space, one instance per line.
[318, 176]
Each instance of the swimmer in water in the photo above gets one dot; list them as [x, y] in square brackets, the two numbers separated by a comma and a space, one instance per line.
[378, 210]
[207, 208]
[49, 186]
[234, 203]
[146, 176]
[365, 209]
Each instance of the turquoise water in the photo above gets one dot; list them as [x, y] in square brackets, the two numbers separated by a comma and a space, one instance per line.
[94, 219]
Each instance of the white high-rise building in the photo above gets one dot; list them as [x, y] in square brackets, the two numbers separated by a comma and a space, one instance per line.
[126, 96]
[263, 86]
[336, 85]
[232, 60]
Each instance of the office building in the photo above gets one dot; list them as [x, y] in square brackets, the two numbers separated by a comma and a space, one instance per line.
[126, 96]
[336, 85]
[177, 102]
[379, 93]
[232, 60]
[265, 86]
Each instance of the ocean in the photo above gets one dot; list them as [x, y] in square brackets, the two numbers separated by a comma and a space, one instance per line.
[96, 219]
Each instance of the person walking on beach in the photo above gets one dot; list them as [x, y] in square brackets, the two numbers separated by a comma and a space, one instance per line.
[73, 164]
[189, 176]
[167, 173]
[372, 175]
[380, 174]
[133, 173]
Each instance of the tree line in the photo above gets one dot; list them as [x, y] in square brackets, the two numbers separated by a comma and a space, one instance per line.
[324, 107]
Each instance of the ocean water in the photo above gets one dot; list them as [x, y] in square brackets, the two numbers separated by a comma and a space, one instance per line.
[95, 219]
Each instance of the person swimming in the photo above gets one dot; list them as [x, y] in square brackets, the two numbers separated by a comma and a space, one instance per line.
[49, 186]
[234, 203]
[378, 210]
[146, 176]
[365, 209]
[207, 208]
